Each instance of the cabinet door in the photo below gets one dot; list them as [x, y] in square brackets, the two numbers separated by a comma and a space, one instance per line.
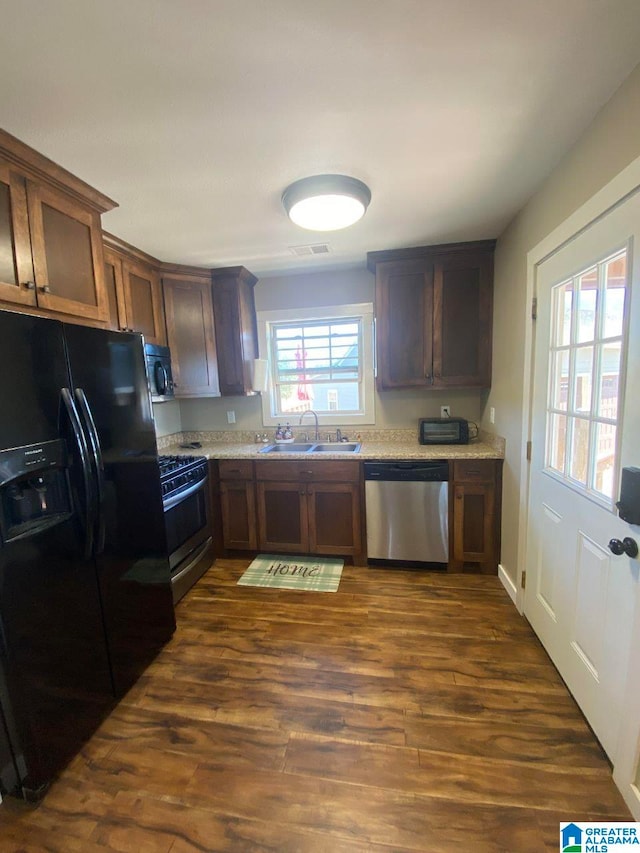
[115, 290]
[143, 301]
[282, 517]
[66, 241]
[238, 502]
[473, 522]
[404, 309]
[191, 337]
[334, 518]
[16, 267]
[462, 307]
[236, 333]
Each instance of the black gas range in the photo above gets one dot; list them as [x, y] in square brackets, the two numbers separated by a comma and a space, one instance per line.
[179, 473]
[187, 516]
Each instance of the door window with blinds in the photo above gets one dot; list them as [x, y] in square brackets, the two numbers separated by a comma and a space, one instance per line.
[319, 360]
[586, 365]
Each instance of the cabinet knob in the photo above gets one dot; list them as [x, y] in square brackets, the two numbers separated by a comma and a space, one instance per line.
[29, 285]
[45, 289]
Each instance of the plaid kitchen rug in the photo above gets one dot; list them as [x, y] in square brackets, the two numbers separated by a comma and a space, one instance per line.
[294, 573]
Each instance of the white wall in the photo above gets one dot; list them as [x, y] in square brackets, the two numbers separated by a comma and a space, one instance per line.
[394, 409]
[609, 144]
[167, 417]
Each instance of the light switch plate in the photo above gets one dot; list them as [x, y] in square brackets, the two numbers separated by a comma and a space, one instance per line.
[445, 411]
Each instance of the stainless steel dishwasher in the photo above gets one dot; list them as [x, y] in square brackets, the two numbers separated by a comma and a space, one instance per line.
[407, 507]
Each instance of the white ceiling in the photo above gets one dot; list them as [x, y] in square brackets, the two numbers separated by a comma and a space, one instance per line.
[195, 114]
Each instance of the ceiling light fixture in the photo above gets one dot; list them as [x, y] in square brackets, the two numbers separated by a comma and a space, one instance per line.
[326, 202]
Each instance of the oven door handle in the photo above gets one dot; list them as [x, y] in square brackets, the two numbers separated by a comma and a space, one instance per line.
[174, 500]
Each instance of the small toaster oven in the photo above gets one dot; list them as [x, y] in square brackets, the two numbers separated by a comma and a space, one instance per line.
[443, 431]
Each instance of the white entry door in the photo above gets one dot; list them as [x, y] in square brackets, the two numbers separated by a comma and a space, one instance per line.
[580, 598]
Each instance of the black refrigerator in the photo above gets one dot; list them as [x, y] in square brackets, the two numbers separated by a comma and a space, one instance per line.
[85, 593]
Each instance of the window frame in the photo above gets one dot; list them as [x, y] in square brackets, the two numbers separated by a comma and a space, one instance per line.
[571, 412]
[339, 313]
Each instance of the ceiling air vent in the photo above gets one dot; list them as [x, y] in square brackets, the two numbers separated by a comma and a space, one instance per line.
[314, 249]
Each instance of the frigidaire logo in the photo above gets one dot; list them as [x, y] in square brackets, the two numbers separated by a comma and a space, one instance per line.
[37, 452]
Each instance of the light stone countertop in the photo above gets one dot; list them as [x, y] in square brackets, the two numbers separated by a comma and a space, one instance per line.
[400, 449]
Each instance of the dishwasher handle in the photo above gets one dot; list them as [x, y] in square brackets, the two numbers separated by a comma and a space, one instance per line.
[410, 471]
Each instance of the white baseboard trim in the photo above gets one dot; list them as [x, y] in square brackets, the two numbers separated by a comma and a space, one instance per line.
[508, 584]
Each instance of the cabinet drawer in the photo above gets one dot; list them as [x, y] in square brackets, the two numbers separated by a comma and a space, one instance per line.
[474, 471]
[318, 471]
[235, 469]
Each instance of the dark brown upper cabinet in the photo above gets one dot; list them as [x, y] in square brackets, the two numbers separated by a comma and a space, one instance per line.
[51, 257]
[206, 317]
[115, 289]
[190, 335]
[143, 301]
[16, 266]
[434, 316]
[134, 292]
[236, 330]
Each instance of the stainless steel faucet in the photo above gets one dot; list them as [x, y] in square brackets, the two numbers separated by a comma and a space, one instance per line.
[338, 434]
[315, 415]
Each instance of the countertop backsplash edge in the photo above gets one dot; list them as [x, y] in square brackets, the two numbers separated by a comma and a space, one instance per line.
[491, 444]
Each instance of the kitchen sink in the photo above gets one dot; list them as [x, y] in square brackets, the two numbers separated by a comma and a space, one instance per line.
[337, 447]
[287, 448]
[326, 447]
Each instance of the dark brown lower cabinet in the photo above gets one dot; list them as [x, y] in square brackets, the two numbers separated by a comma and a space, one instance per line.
[282, 517]
[316, 507]
[475, 514]
[315, 519]
[238, 502]
[238, 505]
[334, 518]
[309, 507]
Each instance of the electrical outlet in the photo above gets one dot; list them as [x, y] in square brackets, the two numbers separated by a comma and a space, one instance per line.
[231, 417]
[492, 415]
[445, 411]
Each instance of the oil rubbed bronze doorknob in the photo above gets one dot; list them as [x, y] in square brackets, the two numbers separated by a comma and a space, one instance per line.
[627, 546]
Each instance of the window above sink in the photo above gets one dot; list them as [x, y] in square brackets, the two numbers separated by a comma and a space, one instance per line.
[320, 359]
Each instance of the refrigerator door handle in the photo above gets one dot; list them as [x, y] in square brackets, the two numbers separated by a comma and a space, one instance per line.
[96, 452]
[74, 419]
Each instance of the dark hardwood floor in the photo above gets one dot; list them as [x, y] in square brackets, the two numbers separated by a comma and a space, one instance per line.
[409, 711]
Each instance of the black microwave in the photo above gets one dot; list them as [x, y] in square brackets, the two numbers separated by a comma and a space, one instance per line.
[158, 360]
[443, 431]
